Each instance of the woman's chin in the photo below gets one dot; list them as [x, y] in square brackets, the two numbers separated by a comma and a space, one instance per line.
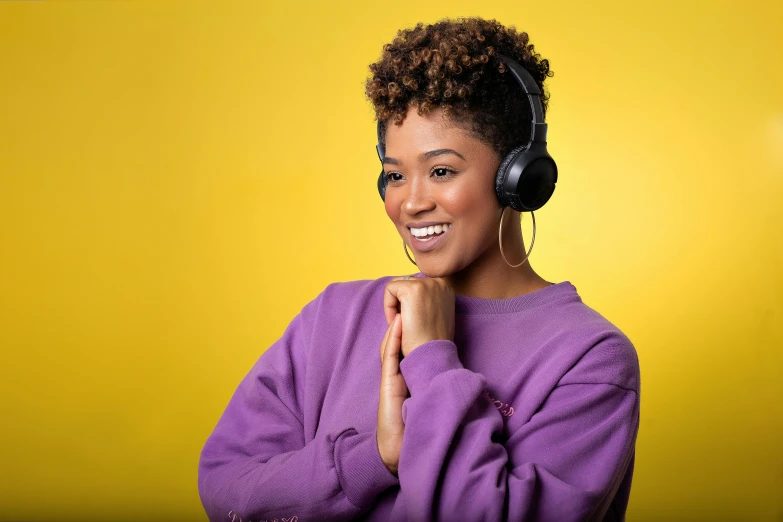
[435, 269]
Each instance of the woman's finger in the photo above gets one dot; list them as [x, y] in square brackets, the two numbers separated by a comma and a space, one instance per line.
[391, 298]
[391, 355]
[391, 303]
[383, 343]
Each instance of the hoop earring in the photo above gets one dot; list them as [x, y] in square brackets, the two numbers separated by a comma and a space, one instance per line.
[500, 239]
[405, 247]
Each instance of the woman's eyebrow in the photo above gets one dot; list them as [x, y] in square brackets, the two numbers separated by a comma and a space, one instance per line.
[426, 155]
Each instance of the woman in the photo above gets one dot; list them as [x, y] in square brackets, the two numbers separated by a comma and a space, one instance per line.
[497, 395]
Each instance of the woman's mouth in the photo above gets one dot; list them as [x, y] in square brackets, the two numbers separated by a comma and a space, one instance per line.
[425, 239]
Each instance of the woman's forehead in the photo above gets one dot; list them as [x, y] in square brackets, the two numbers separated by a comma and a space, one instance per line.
[419, 134]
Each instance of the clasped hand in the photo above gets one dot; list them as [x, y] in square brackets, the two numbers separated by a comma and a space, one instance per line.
[417, 310]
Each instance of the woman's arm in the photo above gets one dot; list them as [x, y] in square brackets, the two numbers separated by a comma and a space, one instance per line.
[256, 465]
[564, 464]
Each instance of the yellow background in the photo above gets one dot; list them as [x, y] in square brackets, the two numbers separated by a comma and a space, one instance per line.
[178, 179]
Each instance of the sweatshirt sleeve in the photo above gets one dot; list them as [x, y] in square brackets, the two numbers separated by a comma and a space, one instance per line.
[565, 463]
[256, 464]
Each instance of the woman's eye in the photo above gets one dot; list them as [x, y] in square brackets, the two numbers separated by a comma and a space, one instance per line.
[438, 172]
[442, 172]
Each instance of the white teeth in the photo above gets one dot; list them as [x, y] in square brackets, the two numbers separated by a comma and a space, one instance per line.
[428, 231]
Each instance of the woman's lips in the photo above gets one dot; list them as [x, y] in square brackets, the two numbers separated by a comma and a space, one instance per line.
[425, 245]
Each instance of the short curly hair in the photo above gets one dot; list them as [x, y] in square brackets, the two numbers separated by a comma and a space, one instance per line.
[453, 64]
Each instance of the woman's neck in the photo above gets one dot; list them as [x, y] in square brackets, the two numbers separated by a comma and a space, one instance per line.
[490, 276]
[493, 280]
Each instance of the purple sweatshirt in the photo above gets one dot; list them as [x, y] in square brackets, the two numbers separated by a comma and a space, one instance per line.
[530, 414]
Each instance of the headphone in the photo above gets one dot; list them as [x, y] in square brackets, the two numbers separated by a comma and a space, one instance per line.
[526, 177]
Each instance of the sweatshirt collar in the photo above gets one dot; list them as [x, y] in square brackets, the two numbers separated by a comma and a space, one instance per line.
[466, 305]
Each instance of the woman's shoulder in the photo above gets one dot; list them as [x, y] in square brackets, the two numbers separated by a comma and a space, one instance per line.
[357, 290]
[590, 346]
[608, 354]
[581, 317]
[345, 299]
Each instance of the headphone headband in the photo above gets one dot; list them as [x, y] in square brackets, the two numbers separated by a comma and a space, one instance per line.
[538, 128]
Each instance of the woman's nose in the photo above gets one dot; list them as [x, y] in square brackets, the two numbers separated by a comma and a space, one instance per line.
[418, 198]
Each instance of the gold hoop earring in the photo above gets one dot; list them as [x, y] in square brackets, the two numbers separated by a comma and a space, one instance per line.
[405, 247]
[500, 239]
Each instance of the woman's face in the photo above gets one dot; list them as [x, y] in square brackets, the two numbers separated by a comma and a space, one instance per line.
[440, 176]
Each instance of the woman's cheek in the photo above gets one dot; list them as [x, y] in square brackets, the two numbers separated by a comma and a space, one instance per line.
[392, 210]
[457, 195]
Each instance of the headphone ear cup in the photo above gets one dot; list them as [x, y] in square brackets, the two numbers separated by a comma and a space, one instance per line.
[534, 176]
[502, 175]
[537, 182]
[382, 185]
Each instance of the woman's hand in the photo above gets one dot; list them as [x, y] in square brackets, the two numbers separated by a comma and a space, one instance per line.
[393, 392]
[426, 306]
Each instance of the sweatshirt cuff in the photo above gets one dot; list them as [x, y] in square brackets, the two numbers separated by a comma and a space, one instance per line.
[360, 469]
[425, 362]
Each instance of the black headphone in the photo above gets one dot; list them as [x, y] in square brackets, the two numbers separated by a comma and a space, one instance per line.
[526, 177]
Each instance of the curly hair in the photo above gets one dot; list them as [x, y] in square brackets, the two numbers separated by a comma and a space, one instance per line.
[454, 65]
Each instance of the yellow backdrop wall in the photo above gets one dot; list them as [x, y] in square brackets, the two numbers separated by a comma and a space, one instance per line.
[177, 179]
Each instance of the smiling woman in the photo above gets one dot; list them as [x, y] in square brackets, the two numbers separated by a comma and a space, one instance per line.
[497, 395]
